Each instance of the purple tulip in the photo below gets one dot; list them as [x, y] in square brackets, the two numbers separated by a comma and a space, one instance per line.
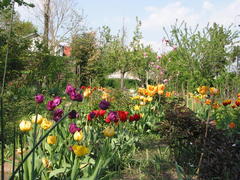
[73, 128]
[113, 116]
[104, 105]
[76, 97]
[73, 114]
[39, 98]
[57, 100]
[57, 114]
[51, 105]
[70, 89]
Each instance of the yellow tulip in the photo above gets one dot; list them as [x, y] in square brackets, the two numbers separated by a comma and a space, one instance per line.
[109, 132]
[39, 119]
[135, 97]
[160, 92]
[105, 95]
[87, 92]
[46, 124]
[80, 150]
[51, 139]
[136, 108]
[46, 163]
[78, 136]
[25, 126]
[149, 99]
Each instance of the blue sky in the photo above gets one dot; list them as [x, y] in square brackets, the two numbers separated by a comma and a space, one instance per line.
[155, 14]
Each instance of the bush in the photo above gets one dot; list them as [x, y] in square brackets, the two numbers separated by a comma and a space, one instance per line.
[186, 135]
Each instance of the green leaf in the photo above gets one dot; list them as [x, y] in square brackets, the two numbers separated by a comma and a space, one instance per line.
[56, 172]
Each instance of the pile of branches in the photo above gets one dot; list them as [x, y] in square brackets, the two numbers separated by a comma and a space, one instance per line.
[185, 133]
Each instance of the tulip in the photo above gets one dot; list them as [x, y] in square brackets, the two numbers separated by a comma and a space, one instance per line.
[73, 128]
[113, 116]
[69, 89]
[208, 101]
[73, 114]
[109, 132]
[104, 105]
[122, 115]
[231, 125]
[39, 119]
[39, 98]
[57, 114]
[213, 91]
[91, 115]
[87, 92]
[76, 97]
[227, 102]
[105, 95]
[215, 106]
[80, 150]
[202, 90]
[51, 105]
[160, 87]
[51, 139]
[46, 124]
[78, 136]
[136, 108]
[46, 163]
[237, 102]
[25, 126]
[168, 94]
[57, 100]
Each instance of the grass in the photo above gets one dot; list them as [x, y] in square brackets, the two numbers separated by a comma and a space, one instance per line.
[152, 161]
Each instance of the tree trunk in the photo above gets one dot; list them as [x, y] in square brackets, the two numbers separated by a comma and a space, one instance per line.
[122, 80]
[46, 21]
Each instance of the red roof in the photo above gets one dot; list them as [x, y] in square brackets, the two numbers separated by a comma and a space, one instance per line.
[67, 51]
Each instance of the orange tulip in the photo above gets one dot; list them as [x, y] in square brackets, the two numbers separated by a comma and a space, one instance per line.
[231, 125]
[208, 101]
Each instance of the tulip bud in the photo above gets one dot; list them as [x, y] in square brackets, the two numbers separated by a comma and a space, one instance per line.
[78, 136]
[25, 126]
[46, 124]
[39, 119]
[109, 132]
[51, 139]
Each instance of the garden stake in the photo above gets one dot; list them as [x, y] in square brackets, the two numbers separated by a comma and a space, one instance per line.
[2, 91]
[37, 144]
[14, 147]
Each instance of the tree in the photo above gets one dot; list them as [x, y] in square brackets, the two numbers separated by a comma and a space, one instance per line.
[86, 54]
[19, 46]
[60, 20]
[7, 3]
[200, 56]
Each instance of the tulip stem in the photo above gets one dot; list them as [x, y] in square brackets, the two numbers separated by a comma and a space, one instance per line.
[34, 141]
[37, 144]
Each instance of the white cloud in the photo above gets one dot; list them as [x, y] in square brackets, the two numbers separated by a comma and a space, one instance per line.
[207, 5]
[167, 15]
[226, 15]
